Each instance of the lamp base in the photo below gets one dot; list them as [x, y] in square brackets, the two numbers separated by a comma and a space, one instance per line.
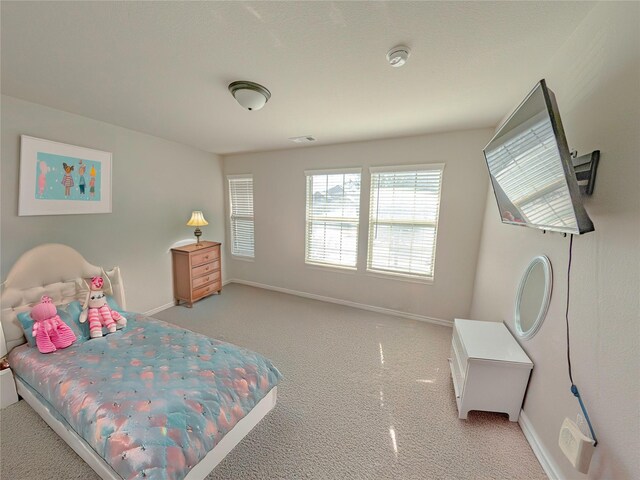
[198, 234]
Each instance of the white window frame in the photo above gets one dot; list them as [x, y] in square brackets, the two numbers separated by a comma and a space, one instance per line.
[309, 220]
[373, 222]
[233, 218]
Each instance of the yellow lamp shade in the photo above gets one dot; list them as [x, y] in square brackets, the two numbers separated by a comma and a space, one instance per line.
[197, 219]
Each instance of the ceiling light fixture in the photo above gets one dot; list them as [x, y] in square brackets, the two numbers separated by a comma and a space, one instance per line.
[249, 95]
[398, 56]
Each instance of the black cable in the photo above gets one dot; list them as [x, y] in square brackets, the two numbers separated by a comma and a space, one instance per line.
[574, 388]
[566, 315]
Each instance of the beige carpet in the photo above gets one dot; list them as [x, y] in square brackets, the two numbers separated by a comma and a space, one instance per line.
[364, 396]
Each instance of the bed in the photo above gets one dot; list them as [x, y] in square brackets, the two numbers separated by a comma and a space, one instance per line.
[152, 401]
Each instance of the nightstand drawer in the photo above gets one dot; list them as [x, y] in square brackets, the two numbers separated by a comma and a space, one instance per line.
[206, 290]
[206, 268]
[207, 256]
[200, 281]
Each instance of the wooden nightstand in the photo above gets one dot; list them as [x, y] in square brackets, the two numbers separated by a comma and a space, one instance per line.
[196, 271]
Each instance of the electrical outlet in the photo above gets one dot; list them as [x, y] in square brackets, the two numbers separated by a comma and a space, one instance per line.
[576, 446]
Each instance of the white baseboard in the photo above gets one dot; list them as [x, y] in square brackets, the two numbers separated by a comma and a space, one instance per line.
[362, 306]
[549, 466]
[172, 304]
[158, 309]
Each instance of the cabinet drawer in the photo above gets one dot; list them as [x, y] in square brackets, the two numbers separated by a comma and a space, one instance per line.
[206, 290]
[460, 366]
[205, 279]
[456, 343]
[207, 256]
[458, 382]
[206, 268]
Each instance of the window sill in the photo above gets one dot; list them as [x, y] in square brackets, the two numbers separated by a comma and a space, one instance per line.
[386, 276]
[338, 268]
[244, 259]
[401, 277]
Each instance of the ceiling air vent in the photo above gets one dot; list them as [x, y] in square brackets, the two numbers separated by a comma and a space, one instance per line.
[303, 139]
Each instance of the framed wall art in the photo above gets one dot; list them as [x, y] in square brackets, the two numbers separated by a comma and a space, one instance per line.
[61, 179]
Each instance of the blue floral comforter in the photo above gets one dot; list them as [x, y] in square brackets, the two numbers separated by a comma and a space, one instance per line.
[151, 400]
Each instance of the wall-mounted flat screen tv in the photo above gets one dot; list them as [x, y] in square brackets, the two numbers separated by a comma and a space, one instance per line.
[530, 167]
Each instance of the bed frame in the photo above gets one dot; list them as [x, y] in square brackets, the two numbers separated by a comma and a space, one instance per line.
[59, 271]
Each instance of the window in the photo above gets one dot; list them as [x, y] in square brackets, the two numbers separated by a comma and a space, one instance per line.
[241, 208]
[403, 219]
[333, 209]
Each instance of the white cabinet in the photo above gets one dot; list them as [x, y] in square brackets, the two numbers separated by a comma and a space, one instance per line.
[490, 371]
[8, 394]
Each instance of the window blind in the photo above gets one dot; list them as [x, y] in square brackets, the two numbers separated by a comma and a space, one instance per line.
[333, 209]
[403, 219]
[241, 208]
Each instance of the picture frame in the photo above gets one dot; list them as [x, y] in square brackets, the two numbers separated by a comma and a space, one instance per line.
[61, 179]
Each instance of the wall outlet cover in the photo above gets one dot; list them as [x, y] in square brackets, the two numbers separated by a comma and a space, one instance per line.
[576, 446]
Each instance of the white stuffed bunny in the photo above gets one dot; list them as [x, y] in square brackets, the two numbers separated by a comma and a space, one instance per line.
[98, 311]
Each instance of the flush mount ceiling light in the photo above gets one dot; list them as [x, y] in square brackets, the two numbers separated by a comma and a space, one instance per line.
[398, 56]
[249, 95]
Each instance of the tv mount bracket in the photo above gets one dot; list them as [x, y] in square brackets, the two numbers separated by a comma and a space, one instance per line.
[586, 167]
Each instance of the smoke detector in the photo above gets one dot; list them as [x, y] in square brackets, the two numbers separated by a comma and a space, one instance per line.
[249, 95]
[398, 56]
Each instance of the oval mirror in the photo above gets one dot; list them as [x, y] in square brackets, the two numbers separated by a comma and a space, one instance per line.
[534, 295]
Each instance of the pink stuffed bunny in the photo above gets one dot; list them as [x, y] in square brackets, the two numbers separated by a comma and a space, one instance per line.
[49, 330]
[98, 312]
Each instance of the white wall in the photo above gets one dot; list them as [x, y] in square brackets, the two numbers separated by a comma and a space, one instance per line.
[156, 185]
[596, 78]
[279, 198]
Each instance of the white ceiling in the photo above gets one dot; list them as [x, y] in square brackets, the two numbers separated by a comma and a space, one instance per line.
[163, 68]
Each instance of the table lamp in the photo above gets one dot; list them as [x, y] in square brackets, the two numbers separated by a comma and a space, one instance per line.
[197, 220]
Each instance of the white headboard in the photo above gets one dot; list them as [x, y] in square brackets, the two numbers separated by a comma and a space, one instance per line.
[50, 269]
